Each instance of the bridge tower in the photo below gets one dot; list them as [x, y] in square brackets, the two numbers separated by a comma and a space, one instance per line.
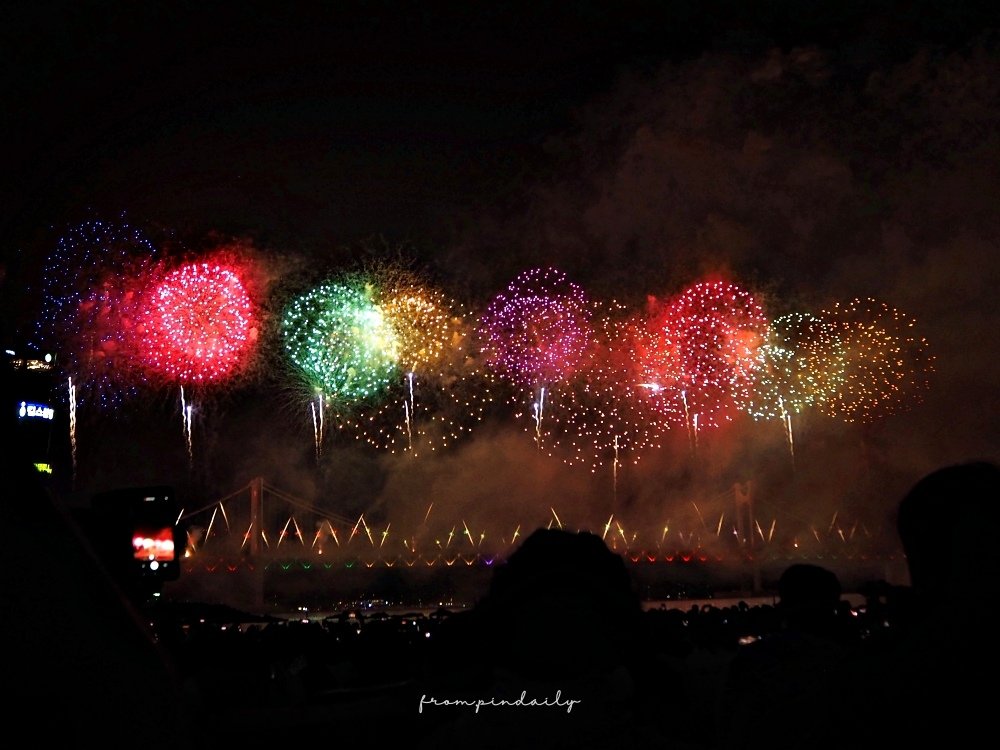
[745, 523]
[256, 514]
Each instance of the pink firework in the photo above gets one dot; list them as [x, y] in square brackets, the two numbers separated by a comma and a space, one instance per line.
[698, 354]
[200, 325]
[537, 330]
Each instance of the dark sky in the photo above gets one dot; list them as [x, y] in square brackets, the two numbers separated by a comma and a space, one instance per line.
[816, 151]
[322, 123]
[314, 124]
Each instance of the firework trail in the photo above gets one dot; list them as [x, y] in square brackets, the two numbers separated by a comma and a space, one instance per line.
[72, 426]
[187, 418]
[538, 414]
[409, 407]
[556, 516]
[211, 523]
[789, 435]
[614, 473]
[316, 409]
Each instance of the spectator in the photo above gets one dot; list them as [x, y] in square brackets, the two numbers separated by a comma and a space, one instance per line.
[769, 680]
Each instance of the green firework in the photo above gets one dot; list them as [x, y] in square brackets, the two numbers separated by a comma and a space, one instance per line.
[340, 342]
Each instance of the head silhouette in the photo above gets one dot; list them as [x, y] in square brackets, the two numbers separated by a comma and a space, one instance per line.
[808, 596]
[948, 525]
[560, 596]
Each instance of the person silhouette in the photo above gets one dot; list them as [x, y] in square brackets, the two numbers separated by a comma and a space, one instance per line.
[936, 672]
[768, 679]
[560, 617]
[929, 678]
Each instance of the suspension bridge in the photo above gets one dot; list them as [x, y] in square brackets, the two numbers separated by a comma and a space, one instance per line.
[260, 522]
[258, 519]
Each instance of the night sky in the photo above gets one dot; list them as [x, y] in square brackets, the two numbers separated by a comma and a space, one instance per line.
[812, 152]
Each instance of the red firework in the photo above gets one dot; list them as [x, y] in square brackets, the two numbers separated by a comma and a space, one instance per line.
[699, 352]
[200, 325]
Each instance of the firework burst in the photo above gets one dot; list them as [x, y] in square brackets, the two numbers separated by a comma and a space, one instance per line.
[340, 342]
[453, 403]
[535, 332]
[429, 409]
[199, 326]
[93, 285]
[886, 365]
[800, 364]
[427, 325]
[603, 414]
[698, 354]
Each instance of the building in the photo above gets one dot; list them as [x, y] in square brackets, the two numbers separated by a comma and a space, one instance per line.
[36, 413]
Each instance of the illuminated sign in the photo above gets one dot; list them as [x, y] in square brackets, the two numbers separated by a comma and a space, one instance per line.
[35, 411]
[44, 468]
